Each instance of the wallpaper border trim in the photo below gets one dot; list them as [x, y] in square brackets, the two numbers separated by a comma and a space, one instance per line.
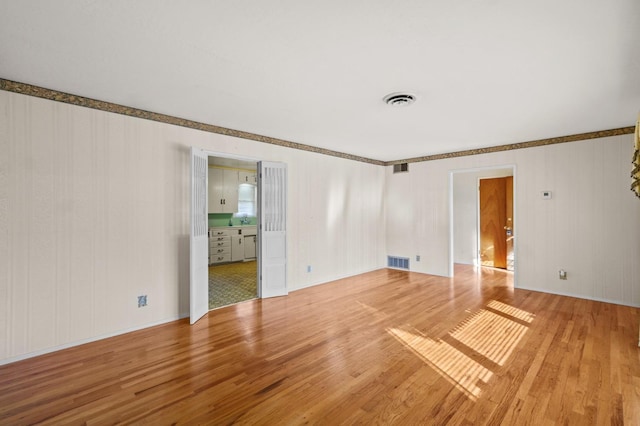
[54, 95]
[521, 145]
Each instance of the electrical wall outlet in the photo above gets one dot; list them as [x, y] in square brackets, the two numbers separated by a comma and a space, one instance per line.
[417, 258]
[562, 274]
[308, 268]
[142, 301]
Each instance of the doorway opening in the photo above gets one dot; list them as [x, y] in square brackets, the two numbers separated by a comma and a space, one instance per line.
[469, 242]
[271, 229]
[233, 213]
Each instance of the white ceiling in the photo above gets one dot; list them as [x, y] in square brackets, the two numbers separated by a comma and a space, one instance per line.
[486, 72]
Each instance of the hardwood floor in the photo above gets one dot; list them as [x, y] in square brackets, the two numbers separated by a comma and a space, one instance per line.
[387, 347]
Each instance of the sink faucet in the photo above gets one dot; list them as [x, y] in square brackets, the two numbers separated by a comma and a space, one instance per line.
[244, 220]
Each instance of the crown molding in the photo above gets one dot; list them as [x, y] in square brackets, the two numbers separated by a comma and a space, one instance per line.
[67, 98]
[520, 145]
[54, 95]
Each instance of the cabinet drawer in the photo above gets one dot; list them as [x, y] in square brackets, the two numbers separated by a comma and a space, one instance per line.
[218, 239]
[215, 232]
[219, 250]
[213, 244]
[219, 258]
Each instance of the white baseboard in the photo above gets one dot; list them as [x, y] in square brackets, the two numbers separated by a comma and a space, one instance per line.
[339, 277]
[579, 296]
[88, 340]
[128, 330]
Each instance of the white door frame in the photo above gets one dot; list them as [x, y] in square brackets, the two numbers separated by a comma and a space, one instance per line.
[451, 212]
[259, 242]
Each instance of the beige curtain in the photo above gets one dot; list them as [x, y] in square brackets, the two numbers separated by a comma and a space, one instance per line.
[635, 173]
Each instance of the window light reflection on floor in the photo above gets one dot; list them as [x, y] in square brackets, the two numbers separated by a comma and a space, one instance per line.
[459, 369]
[489, 334]
[510, 310]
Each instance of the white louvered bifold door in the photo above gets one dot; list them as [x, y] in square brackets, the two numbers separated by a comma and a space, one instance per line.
[199, 240]
[272, 199]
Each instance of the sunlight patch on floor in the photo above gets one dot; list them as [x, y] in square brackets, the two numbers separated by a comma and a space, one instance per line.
[510, 310]
[489, 334]
[484, 333]
[463, 372]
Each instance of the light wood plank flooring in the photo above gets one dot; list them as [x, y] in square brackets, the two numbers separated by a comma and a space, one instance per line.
[387, 347]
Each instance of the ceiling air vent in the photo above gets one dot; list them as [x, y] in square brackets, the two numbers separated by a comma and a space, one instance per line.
[399, 99]
[400, 168]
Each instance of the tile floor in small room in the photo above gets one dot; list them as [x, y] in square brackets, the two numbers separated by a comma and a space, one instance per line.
[232, 283]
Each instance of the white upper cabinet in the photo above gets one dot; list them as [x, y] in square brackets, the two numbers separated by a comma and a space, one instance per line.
[247, 177]
[223, 190]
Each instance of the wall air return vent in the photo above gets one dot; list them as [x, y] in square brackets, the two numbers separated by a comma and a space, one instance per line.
[401, 168]
[398, 262]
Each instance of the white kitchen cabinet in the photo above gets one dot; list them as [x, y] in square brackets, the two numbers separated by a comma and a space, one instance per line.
[250, 239]
[219, 246]
[247, 177]
[249, 247]
[223, 190]
[226, 244]
[237, 246]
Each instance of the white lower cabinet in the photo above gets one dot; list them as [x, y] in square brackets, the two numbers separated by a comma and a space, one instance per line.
[237, 246]
[250, 247]
[226, 244]
[219, 246]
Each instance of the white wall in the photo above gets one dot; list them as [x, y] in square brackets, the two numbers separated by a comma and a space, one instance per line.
[465, 213]
[591, 227]
[94, 212]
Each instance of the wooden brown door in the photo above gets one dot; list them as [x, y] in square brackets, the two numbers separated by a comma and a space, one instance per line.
[496, 221]
[510, 226]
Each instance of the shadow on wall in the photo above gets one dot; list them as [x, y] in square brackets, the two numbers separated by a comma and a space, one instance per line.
[183, 275]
